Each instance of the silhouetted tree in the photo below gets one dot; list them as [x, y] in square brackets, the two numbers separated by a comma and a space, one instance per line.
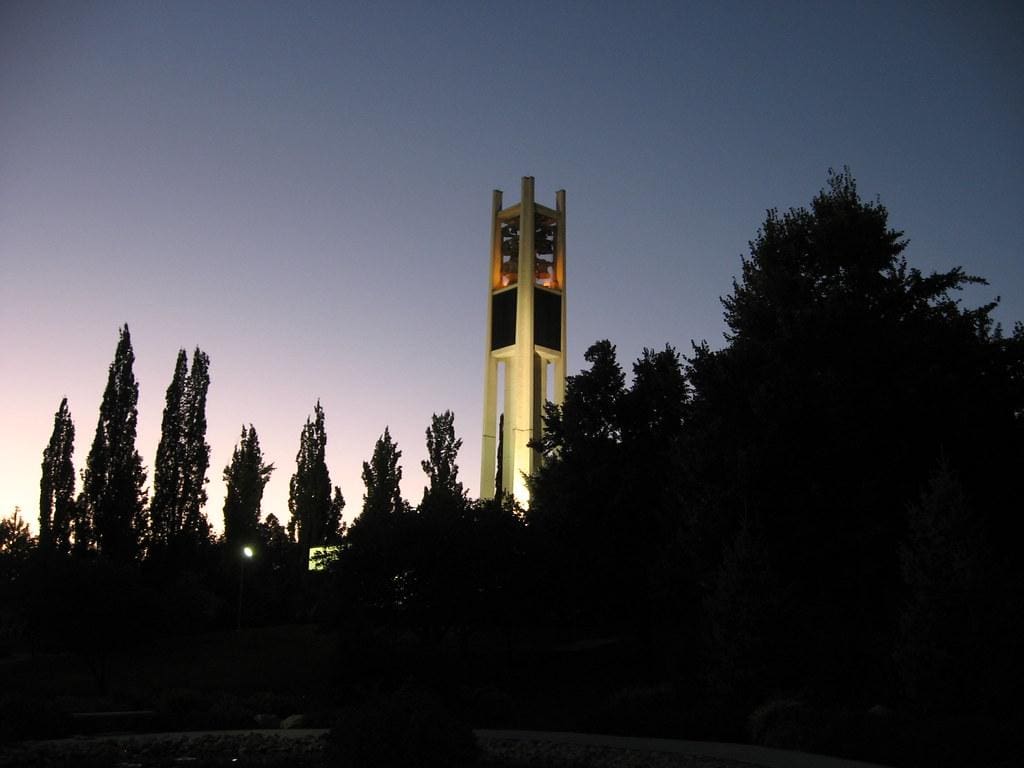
[944, 566]
[166, 507]
[444, 490]
[606, 503]
[446, 568]
[335, 526]
[371, 575]
[112, 483]
[15, 536]
[245, 478]
[590, 416]
[746, 624]
[57, 485]
[499, 472]
[273, 534]
[575, 498]
[309, 500]
[382, 477]
[846, 375]
[655, 560]
[182, 458]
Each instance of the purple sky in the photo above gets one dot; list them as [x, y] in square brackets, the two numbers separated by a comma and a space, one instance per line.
[303, 191]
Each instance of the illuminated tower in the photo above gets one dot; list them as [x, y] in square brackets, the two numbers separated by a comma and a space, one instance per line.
[525, 356]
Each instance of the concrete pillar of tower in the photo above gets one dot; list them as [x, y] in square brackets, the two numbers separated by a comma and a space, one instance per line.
[524, 389]
[489, 446]
[559, 366]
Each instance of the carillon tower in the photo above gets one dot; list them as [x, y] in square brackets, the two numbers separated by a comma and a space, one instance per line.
[525, 358]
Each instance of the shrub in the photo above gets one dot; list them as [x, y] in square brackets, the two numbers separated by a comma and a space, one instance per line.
[788, 724]
[403, 730]
[30, 717]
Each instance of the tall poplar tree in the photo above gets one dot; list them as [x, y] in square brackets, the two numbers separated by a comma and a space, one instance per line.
[112, 483]
[245, 478]
[57, 485]
[309, 499]
[197, 452]
[165, 508]
[183, 456]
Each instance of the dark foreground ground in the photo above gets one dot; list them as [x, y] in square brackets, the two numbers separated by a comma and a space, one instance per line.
[230, 680]
[310, 748]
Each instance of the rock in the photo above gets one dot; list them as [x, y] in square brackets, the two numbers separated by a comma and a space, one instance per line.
[266, 721]
[294, 721]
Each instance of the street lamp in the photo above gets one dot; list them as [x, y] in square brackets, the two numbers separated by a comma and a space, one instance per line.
[247, 554]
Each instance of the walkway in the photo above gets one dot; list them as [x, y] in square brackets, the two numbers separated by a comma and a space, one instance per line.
[765, 757]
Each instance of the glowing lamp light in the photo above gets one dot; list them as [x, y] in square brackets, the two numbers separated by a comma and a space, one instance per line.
[247, 551]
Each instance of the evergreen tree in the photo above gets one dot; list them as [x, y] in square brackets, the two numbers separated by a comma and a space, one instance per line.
[57, 485]
[943, 563]
[113, 480]
[182, 457]
[309, 499]
[847, 374]
[590, 415]
[440, 467]
[382, 477]
[245, 478]
[576, 499]
[15, 536]
[16, 544]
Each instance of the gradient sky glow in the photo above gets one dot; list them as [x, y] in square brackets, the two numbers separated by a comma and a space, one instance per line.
[304, 190]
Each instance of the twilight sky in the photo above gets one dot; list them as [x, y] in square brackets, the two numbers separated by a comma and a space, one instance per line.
[304, 190]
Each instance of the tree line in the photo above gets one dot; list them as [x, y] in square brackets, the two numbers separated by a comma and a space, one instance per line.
[113, 516]
[818, 521]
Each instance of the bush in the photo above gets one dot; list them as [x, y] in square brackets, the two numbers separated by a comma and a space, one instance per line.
[402, 730]
[189, 709]
[788, 724]
[646, 710]
[30, 717]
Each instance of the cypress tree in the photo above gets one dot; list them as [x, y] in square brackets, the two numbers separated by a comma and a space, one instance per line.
[309, 499]
[245, 478]
[57, 485]
[112, 483]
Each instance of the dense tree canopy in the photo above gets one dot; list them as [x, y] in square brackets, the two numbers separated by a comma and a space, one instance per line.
[847, 377]
[607, 495]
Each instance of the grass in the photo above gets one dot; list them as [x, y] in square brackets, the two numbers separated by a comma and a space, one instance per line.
[292, 662]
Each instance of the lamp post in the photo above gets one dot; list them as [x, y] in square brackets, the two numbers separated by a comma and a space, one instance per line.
[246, 555]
